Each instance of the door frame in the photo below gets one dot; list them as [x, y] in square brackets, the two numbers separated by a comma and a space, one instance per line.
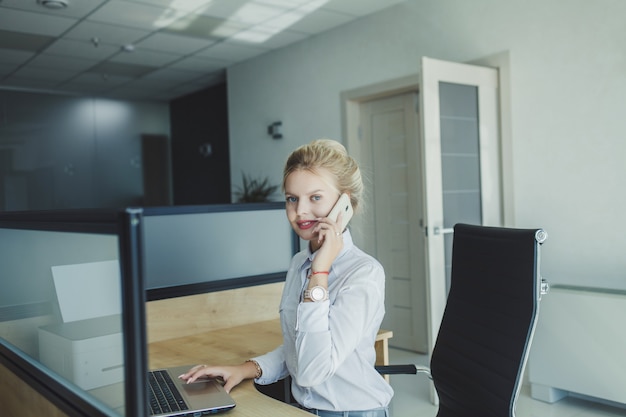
[353, 103]
[350, 117]
[350, 102]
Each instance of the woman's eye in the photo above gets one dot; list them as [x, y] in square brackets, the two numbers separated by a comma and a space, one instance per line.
[291, 199]
[316, 198]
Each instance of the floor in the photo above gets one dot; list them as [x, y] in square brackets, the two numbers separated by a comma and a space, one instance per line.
[412, 397]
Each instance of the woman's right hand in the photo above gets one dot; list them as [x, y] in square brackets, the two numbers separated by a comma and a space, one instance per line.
[231, 375]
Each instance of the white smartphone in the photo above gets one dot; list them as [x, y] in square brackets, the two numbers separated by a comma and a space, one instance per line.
[343, 205]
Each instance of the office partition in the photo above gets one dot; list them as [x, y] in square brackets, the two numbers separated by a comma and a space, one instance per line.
[75, 283]
[70, 287]
[197, 249]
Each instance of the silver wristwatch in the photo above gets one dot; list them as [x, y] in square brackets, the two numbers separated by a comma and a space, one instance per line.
[316, 294]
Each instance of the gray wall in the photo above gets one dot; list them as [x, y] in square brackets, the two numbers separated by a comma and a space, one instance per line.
[568, 93]
[71, 152]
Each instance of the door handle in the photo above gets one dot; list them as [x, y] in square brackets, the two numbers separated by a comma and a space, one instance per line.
[439, 230]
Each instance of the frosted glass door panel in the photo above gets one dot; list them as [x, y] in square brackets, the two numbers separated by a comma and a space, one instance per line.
[460, 161]
[460, 158]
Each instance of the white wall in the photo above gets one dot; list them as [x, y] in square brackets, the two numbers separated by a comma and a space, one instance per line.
[568, 95]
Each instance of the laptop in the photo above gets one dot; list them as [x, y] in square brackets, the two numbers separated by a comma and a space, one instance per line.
[199, 398]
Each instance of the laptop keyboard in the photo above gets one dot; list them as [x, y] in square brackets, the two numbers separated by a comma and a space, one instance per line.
[163, 394]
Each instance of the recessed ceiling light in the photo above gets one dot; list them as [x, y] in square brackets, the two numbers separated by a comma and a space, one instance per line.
[54, 4]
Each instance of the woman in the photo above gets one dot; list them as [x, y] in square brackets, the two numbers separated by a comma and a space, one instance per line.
[328, 333]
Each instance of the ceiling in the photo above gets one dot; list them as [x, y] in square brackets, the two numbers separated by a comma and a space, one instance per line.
[152, 49]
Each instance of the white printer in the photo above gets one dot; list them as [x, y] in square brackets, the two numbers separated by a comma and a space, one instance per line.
[87, 346]
[86, 352]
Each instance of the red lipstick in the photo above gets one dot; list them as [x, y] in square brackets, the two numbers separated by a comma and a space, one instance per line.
[306, 224]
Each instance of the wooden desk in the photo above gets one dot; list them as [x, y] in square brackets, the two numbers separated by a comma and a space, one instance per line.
[232, 346]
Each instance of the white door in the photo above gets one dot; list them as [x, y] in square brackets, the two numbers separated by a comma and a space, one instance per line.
[390, 152]
[459, 119]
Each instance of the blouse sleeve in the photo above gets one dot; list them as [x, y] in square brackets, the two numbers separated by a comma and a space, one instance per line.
[273, 366]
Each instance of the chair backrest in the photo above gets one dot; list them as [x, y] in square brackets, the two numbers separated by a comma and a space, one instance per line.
[485, 335]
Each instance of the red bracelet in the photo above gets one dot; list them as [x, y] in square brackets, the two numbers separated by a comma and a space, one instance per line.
[318, 272]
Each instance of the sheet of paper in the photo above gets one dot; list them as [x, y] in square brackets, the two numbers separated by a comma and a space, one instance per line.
[88, 290]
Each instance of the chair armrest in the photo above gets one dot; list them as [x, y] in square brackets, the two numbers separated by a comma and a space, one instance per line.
[403, 369]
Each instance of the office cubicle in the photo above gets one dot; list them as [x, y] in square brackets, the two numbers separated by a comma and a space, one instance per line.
[64, 317]
[72, 308]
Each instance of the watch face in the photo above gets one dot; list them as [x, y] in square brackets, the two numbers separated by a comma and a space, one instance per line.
[317, 293]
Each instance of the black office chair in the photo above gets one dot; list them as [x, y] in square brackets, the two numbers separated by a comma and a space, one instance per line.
[485, 335]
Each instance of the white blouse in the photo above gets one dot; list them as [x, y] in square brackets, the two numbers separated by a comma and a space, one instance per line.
[328, 347]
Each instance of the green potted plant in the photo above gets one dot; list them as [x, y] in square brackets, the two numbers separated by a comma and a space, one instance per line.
[254, 190]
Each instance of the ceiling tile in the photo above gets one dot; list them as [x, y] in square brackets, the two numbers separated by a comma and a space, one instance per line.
[135, 15]
[12, 56]
[359, 7]
[195, 63]
[308, 18]
[121, 69]
[61, 62]
[106, 33]
[37, 23]
[288, 4]
[81, 49]
[55, 76]
[244, 11]
[231, 51]
[29, 83]
[146, 57]
[24, 41]
[183, 5]
[206, 27]
[6, 69]
[268, 37]
[180, 45]
[76, 9]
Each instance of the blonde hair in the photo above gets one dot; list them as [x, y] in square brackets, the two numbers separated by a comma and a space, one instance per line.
[332, 156]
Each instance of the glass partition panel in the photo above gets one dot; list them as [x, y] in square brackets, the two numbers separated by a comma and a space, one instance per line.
[196, 249]
[61, 308]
